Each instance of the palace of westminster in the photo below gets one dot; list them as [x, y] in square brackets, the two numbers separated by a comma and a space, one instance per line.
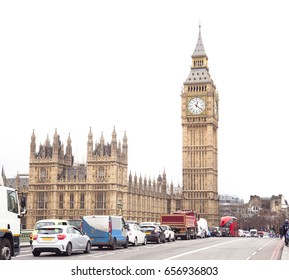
[58, 188]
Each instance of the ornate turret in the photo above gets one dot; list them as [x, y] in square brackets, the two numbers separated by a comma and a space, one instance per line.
[69, 156]
[113, 144]
[199, 69]
[101, 145]
[125, 147]
[55, 145]
[90, 145]
[32, 146]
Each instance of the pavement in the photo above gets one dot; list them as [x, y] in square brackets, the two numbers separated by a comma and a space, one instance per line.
[284, 253]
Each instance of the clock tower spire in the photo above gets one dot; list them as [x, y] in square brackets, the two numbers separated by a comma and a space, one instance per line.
[200, 147]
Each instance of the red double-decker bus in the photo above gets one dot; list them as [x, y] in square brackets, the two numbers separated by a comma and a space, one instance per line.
[229, 226]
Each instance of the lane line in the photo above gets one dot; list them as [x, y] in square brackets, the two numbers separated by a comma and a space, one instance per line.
[202, 249]
[259, 249]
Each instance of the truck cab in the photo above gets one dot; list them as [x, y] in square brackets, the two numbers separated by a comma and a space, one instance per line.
[10, 222]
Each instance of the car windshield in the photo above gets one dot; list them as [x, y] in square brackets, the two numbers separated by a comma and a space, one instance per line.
[50, 230]
[42, 224]
[164, 227]
[76, 223]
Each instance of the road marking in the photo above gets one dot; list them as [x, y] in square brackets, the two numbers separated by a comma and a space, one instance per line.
[102, 255]
[202, 249]
[258, 250]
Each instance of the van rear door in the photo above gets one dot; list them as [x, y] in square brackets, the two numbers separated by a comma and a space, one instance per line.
[97, 228]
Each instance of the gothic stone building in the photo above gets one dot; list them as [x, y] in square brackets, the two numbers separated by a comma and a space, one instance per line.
[58, 188]
[200, 118]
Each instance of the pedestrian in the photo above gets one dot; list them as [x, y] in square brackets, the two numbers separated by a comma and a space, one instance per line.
[281, 231]
[285, 228]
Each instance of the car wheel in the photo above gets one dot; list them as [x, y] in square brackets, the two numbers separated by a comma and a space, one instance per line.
[68, 249]
[158, 240]
[169, 239]
[164, 239]
[36, 253]
[135, 242]
[88, 247]
[113, 246]
[145, 241]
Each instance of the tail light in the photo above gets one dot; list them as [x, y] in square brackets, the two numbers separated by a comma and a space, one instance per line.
[35, 237]
[61, 236]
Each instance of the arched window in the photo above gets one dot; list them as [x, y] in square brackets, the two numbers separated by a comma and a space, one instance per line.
[42, 174]
[72, 201]
[101, 173]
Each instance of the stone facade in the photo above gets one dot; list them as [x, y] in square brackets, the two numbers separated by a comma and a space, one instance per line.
[200, 146]
[58, 188]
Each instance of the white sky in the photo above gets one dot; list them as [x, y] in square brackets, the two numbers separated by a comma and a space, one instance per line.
[73, 65]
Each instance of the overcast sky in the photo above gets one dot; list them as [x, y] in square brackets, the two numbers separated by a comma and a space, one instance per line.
[72, 65]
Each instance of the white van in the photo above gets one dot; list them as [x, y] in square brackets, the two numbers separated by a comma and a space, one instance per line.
[110, 231]
[253, 232]
[202, 228]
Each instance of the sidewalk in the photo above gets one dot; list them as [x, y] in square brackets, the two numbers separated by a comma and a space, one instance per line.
[285, 253]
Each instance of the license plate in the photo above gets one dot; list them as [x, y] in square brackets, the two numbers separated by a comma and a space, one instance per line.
[47, 238]
[147, 232]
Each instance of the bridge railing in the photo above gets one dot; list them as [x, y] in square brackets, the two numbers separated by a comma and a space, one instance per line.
[25, 233]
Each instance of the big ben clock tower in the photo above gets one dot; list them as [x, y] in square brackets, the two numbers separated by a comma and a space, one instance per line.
[200, 145]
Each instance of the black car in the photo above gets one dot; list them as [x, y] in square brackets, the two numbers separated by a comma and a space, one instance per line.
[154, 233]
[225, 232]
[215, 232]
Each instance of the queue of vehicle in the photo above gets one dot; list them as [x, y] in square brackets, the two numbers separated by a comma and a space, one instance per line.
[64, 237]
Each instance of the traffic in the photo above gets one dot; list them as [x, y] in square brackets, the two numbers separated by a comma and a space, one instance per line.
[111, 232]
[64, 237]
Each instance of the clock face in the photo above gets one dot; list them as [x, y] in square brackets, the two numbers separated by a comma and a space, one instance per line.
[197, 105]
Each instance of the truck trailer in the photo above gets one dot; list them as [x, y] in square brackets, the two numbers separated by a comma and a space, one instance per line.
[182, 222]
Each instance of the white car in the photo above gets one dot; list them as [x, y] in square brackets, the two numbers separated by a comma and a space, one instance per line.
[241, 233]
[60, 239]
[247, 233]
[135, 235]
[169, 234]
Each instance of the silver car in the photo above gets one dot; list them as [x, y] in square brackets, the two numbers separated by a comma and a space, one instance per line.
[135, 235]
[60, 239]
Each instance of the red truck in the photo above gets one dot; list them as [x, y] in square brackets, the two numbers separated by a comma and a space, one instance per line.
[182, 222]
